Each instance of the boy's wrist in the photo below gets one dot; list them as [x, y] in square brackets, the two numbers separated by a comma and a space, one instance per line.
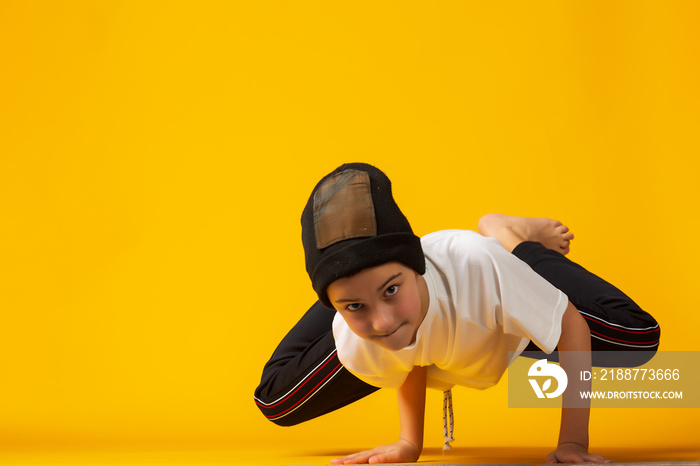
[573, 443]
[412, 450]
[414, 443]
[574, 438]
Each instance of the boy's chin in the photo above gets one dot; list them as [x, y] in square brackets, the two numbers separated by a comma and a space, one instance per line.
[392, 344]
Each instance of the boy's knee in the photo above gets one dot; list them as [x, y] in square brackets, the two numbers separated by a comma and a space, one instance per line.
[281, 419]
[280, 411]
[285, 422]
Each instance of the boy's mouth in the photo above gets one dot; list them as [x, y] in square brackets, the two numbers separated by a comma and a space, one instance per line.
[388, 334]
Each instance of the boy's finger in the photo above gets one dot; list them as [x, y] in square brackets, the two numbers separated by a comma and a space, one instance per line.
[597, 459]
[359, 458]
[378, 459]
[349, 459]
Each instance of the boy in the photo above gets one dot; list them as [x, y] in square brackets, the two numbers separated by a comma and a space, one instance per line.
[434, 312]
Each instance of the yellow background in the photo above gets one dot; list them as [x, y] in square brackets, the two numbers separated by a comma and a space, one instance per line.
[155, 158]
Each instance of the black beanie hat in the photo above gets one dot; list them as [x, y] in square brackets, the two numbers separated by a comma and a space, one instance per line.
[351, 222]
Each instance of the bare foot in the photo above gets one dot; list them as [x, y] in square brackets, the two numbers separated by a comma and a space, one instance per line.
[511, 231]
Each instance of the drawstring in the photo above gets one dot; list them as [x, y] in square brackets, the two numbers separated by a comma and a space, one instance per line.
[447, 401]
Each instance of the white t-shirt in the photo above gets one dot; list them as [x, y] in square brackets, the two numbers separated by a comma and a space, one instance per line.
[484, 302]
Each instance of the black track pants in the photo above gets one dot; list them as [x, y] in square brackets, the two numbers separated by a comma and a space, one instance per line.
[616, 322]
[304, 378]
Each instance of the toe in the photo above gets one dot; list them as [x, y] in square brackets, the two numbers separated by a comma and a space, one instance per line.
[565, 247]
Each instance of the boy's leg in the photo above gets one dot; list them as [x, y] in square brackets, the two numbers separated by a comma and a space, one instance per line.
[616, 322]
[511, 231]
[304, 378]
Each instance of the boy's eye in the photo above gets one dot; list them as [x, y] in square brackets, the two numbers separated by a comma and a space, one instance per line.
[392, 290]
[353, 307]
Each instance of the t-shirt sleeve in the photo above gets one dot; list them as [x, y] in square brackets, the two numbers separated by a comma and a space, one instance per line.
[367, 361]
[515, 296]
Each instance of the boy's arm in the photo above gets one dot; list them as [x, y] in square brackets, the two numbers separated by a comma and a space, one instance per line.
[412, 414]
[574, 357]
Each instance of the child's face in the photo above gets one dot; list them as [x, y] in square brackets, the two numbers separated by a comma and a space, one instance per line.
[384, 304]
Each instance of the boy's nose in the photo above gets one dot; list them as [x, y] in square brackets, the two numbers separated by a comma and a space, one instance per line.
[383, 320]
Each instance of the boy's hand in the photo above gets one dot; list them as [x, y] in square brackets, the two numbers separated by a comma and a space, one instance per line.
[574, 453]
[400, 452]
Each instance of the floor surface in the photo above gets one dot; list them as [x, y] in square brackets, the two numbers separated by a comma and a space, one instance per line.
[490, 456]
